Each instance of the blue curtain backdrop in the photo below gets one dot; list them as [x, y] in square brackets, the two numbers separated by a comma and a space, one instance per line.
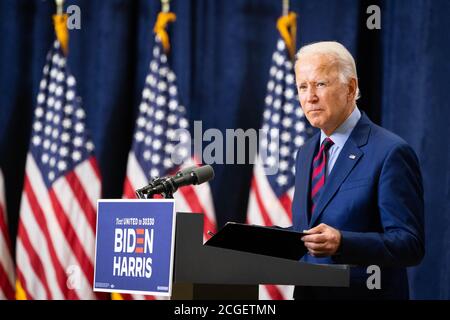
[221, 51]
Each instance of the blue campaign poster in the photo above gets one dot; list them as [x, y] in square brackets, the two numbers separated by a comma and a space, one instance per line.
[135, 246]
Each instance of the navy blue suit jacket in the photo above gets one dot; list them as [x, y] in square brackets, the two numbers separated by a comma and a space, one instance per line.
[374, 197]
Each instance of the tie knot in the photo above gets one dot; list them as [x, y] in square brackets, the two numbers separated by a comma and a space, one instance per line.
[327, 143]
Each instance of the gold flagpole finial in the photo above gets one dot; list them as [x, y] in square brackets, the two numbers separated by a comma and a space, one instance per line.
[287, 25]
[285, 7]
[165, 6]
[164, 18]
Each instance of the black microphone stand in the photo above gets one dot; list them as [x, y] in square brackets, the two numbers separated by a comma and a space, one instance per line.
[146, 192]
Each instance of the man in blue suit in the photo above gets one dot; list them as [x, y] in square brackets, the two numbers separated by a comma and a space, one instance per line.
[358, 187]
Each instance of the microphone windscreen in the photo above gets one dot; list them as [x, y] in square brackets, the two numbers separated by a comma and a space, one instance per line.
[204, 174]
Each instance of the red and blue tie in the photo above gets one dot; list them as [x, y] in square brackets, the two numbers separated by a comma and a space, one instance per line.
[319, 172]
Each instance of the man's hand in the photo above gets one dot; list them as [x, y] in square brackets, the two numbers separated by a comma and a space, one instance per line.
[322, 240]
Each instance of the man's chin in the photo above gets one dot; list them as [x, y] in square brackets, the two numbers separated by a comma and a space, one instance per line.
[316, 123]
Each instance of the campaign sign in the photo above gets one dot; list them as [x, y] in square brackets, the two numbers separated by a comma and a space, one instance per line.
[134, 246]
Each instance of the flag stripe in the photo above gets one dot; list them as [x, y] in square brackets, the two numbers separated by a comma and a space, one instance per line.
[6, 261]
[90, 187]
[196, 207]
[79, 223]
[204, 195]
[135, 174]
[285, 292]
[4, 238]
[27, 277]
[128, 190]
[34, 263]
[57, 240]
[6, 290]
[275, 210]
[82, 245]
[31, 281]
[37, 245]
[72, 237]
[70, 188]
[95, 170]
[274, 292]
[262, 209]
[39, 218]
[286, 203]
[256, 217]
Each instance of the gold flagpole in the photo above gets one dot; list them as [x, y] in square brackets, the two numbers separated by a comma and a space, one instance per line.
[285, 7]
[165, 6]
[59, 7]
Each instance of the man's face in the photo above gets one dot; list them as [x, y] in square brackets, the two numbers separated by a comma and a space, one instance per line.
[325, 101]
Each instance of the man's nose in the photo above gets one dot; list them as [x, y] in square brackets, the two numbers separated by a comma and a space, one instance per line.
[311, 95]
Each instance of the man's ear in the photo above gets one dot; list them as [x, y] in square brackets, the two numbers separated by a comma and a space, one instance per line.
[352, 86]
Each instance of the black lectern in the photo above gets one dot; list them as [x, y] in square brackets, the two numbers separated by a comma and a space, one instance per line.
[204, 272]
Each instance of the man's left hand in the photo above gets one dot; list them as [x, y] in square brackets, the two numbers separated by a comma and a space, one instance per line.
[322, 240]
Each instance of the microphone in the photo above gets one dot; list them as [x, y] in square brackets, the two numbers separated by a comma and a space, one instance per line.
[167, 186]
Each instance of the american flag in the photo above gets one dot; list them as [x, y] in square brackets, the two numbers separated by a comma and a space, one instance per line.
[155, 141]
[6, 263]
[271, 195]
[56, 236]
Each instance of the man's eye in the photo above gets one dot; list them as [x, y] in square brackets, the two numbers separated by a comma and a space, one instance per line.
[320, 84]
[302, 87]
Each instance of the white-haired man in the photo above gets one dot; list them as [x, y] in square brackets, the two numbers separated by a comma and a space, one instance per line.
[358, 188]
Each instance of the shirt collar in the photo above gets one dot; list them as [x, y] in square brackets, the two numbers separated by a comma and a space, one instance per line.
[341, 134]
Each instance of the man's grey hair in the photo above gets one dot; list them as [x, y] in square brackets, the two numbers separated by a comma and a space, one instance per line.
[343, 58]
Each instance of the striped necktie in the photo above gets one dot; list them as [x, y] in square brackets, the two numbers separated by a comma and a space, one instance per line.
[319, 172]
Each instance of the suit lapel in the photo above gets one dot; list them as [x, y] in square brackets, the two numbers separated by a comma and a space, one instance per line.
[346, 161]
